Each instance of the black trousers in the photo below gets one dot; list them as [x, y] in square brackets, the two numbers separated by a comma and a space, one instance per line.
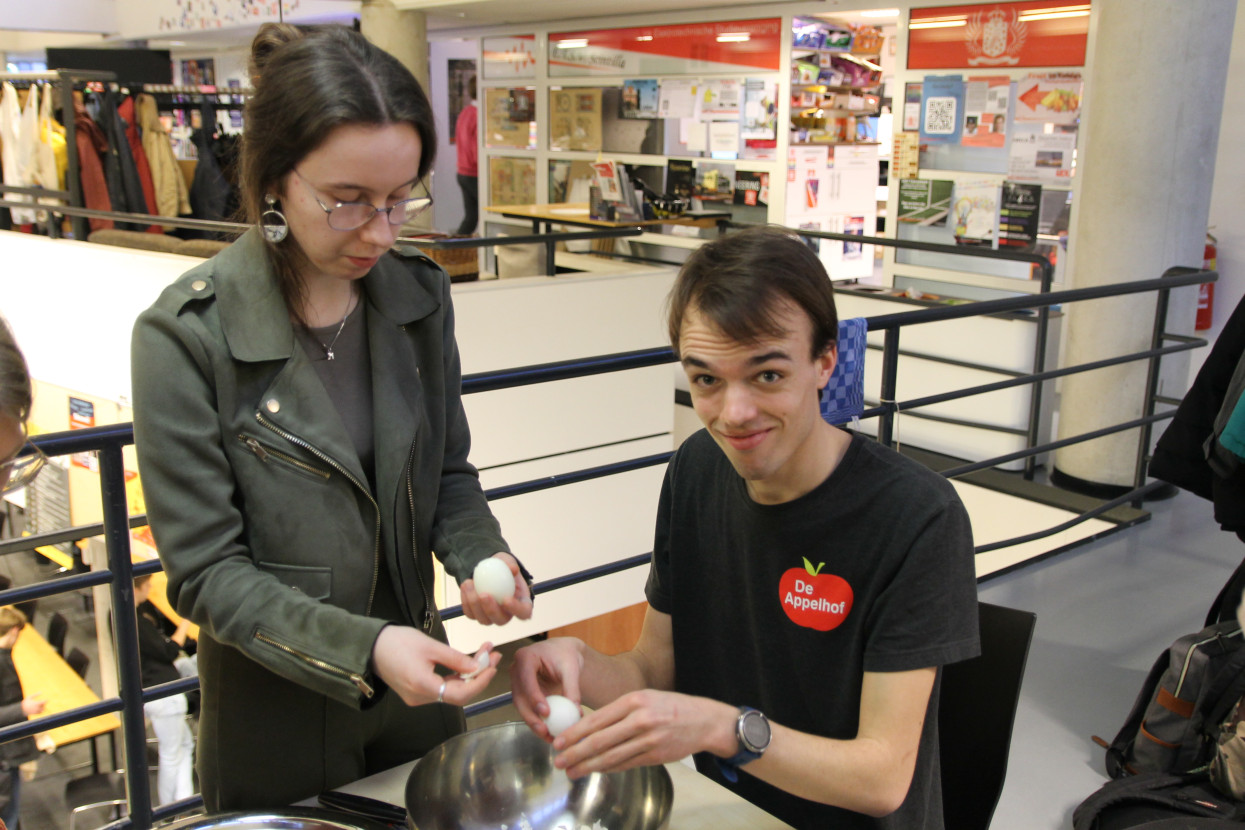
[470, 186]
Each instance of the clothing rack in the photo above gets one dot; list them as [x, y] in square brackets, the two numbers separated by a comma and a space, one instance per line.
[66, 79]
[204, 89]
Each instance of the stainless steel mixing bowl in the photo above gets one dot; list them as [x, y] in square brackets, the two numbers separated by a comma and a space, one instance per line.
[503, 776]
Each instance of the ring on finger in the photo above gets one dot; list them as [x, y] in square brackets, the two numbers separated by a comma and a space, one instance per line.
[441, 693]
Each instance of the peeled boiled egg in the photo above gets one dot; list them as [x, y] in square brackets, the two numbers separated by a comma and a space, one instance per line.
[563, 714]
[492, 577]
[482, 662]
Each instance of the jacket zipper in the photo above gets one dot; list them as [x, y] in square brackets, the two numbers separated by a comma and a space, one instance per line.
[410, 497]
[357, 679]
[263, 453]
[294, 439]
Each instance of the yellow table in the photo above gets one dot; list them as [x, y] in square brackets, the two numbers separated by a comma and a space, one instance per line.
[45, 672]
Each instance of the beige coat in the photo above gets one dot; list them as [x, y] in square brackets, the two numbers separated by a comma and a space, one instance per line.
[172, 195]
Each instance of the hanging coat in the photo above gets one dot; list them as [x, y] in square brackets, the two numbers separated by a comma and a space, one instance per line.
[131, 187]
[53, 158]
[17, 157]
[126, 110]
[172, 196]
[92, 147]
[209, 192]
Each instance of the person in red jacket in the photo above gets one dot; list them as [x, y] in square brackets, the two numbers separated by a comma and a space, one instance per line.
[465, 138]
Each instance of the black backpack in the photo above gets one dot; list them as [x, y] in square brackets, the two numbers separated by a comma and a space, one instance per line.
[1157, 800]
[1174, 724]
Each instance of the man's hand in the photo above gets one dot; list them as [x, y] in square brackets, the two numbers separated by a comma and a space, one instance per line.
[486, 610]
[33, 705]
[546, 668]
[645, 728]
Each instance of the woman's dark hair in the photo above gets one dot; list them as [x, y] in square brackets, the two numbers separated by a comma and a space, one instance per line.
[15, 396]
[739, 281]
[309, 80]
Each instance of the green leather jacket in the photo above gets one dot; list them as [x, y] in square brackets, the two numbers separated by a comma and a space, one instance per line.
[272, 538]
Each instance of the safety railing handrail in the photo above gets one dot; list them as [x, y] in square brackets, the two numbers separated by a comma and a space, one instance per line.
[109, 440]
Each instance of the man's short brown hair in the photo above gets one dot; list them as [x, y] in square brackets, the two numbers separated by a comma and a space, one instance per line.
[10, 618]
[739, 281]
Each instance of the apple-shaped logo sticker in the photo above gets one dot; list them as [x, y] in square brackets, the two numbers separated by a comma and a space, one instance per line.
[813, 599]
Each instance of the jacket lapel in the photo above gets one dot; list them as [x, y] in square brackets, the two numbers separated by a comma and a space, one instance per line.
[257, 328]
[395, 300]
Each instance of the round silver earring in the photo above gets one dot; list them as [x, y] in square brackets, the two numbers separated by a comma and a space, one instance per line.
[272, 222]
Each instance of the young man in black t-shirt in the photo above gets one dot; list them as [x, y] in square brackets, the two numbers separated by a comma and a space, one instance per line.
[806, 584]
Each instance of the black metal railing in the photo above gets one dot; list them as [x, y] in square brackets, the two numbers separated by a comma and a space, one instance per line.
[108, 442]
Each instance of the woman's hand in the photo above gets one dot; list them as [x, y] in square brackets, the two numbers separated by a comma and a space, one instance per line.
[486, 610]
[33, 705]
[406, 659]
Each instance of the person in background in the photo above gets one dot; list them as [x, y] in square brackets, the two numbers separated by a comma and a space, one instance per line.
[303, 446]
[20, 461]
[160, 655]
[466, 138]
[15, 707]
[806, 583]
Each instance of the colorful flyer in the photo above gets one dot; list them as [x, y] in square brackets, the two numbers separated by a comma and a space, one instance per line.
[1041, 157]
[942, 108]
[639, 99]
[974, 210]
[924, 201]
[1019, 210]
[985, 111]
[1050, 97]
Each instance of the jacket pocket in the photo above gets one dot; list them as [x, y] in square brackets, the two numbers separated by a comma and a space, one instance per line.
[315, 582]
[271, 455]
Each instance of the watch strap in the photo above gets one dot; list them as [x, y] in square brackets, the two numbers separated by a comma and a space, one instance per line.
[729, 767]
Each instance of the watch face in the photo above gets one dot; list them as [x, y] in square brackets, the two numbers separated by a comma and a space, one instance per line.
[755, 732]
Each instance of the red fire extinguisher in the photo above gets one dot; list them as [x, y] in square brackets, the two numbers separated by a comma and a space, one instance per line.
[1206, 291]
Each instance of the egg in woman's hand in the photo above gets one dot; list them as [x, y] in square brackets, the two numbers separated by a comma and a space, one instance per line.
[563, 714]
[482, 662]
[492, 577]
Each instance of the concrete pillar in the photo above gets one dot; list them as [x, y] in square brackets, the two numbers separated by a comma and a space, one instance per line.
[1146, 162]
[403, 34]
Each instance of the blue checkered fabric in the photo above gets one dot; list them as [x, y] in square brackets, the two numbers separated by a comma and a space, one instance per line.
[843, 399]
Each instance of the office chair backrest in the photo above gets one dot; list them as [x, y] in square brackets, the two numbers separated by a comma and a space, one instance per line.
[58, 627]
[78, 661]
[976, 712]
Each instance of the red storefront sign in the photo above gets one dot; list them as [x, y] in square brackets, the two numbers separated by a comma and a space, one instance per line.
[1033, 33]
[721, 46]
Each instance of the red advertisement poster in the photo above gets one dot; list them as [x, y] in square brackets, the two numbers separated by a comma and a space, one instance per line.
[1033, 33]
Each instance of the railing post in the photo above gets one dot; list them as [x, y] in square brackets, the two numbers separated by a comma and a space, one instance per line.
[1161, 303]
[890, 373]
[117, 541]
[1039, 366]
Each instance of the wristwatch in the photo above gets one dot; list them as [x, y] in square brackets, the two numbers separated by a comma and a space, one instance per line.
[753, 733]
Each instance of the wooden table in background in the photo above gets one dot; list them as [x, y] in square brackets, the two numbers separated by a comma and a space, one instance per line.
[45, 672]
[576, 214]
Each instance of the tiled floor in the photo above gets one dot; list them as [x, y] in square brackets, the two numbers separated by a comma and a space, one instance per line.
[1104, 612]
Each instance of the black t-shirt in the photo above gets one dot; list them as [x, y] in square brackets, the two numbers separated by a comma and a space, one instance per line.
[784, 607]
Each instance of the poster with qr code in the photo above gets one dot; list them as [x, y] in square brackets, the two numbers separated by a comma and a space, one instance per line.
[942, 109]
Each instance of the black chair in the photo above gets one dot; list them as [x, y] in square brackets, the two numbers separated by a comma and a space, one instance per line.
[92, 792]
[78, 661]
[976, 712]
[58, 627]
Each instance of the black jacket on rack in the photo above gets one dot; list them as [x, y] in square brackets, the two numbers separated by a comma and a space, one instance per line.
[210, 192]
[125, 188]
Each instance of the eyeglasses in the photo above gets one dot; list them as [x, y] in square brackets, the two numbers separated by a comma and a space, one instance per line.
[22, 468]
[349, 216]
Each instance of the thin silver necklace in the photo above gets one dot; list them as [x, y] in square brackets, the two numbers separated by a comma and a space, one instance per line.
[328, 347]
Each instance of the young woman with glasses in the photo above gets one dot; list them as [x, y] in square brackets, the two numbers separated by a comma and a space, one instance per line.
[20, 460]
[302, 443]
